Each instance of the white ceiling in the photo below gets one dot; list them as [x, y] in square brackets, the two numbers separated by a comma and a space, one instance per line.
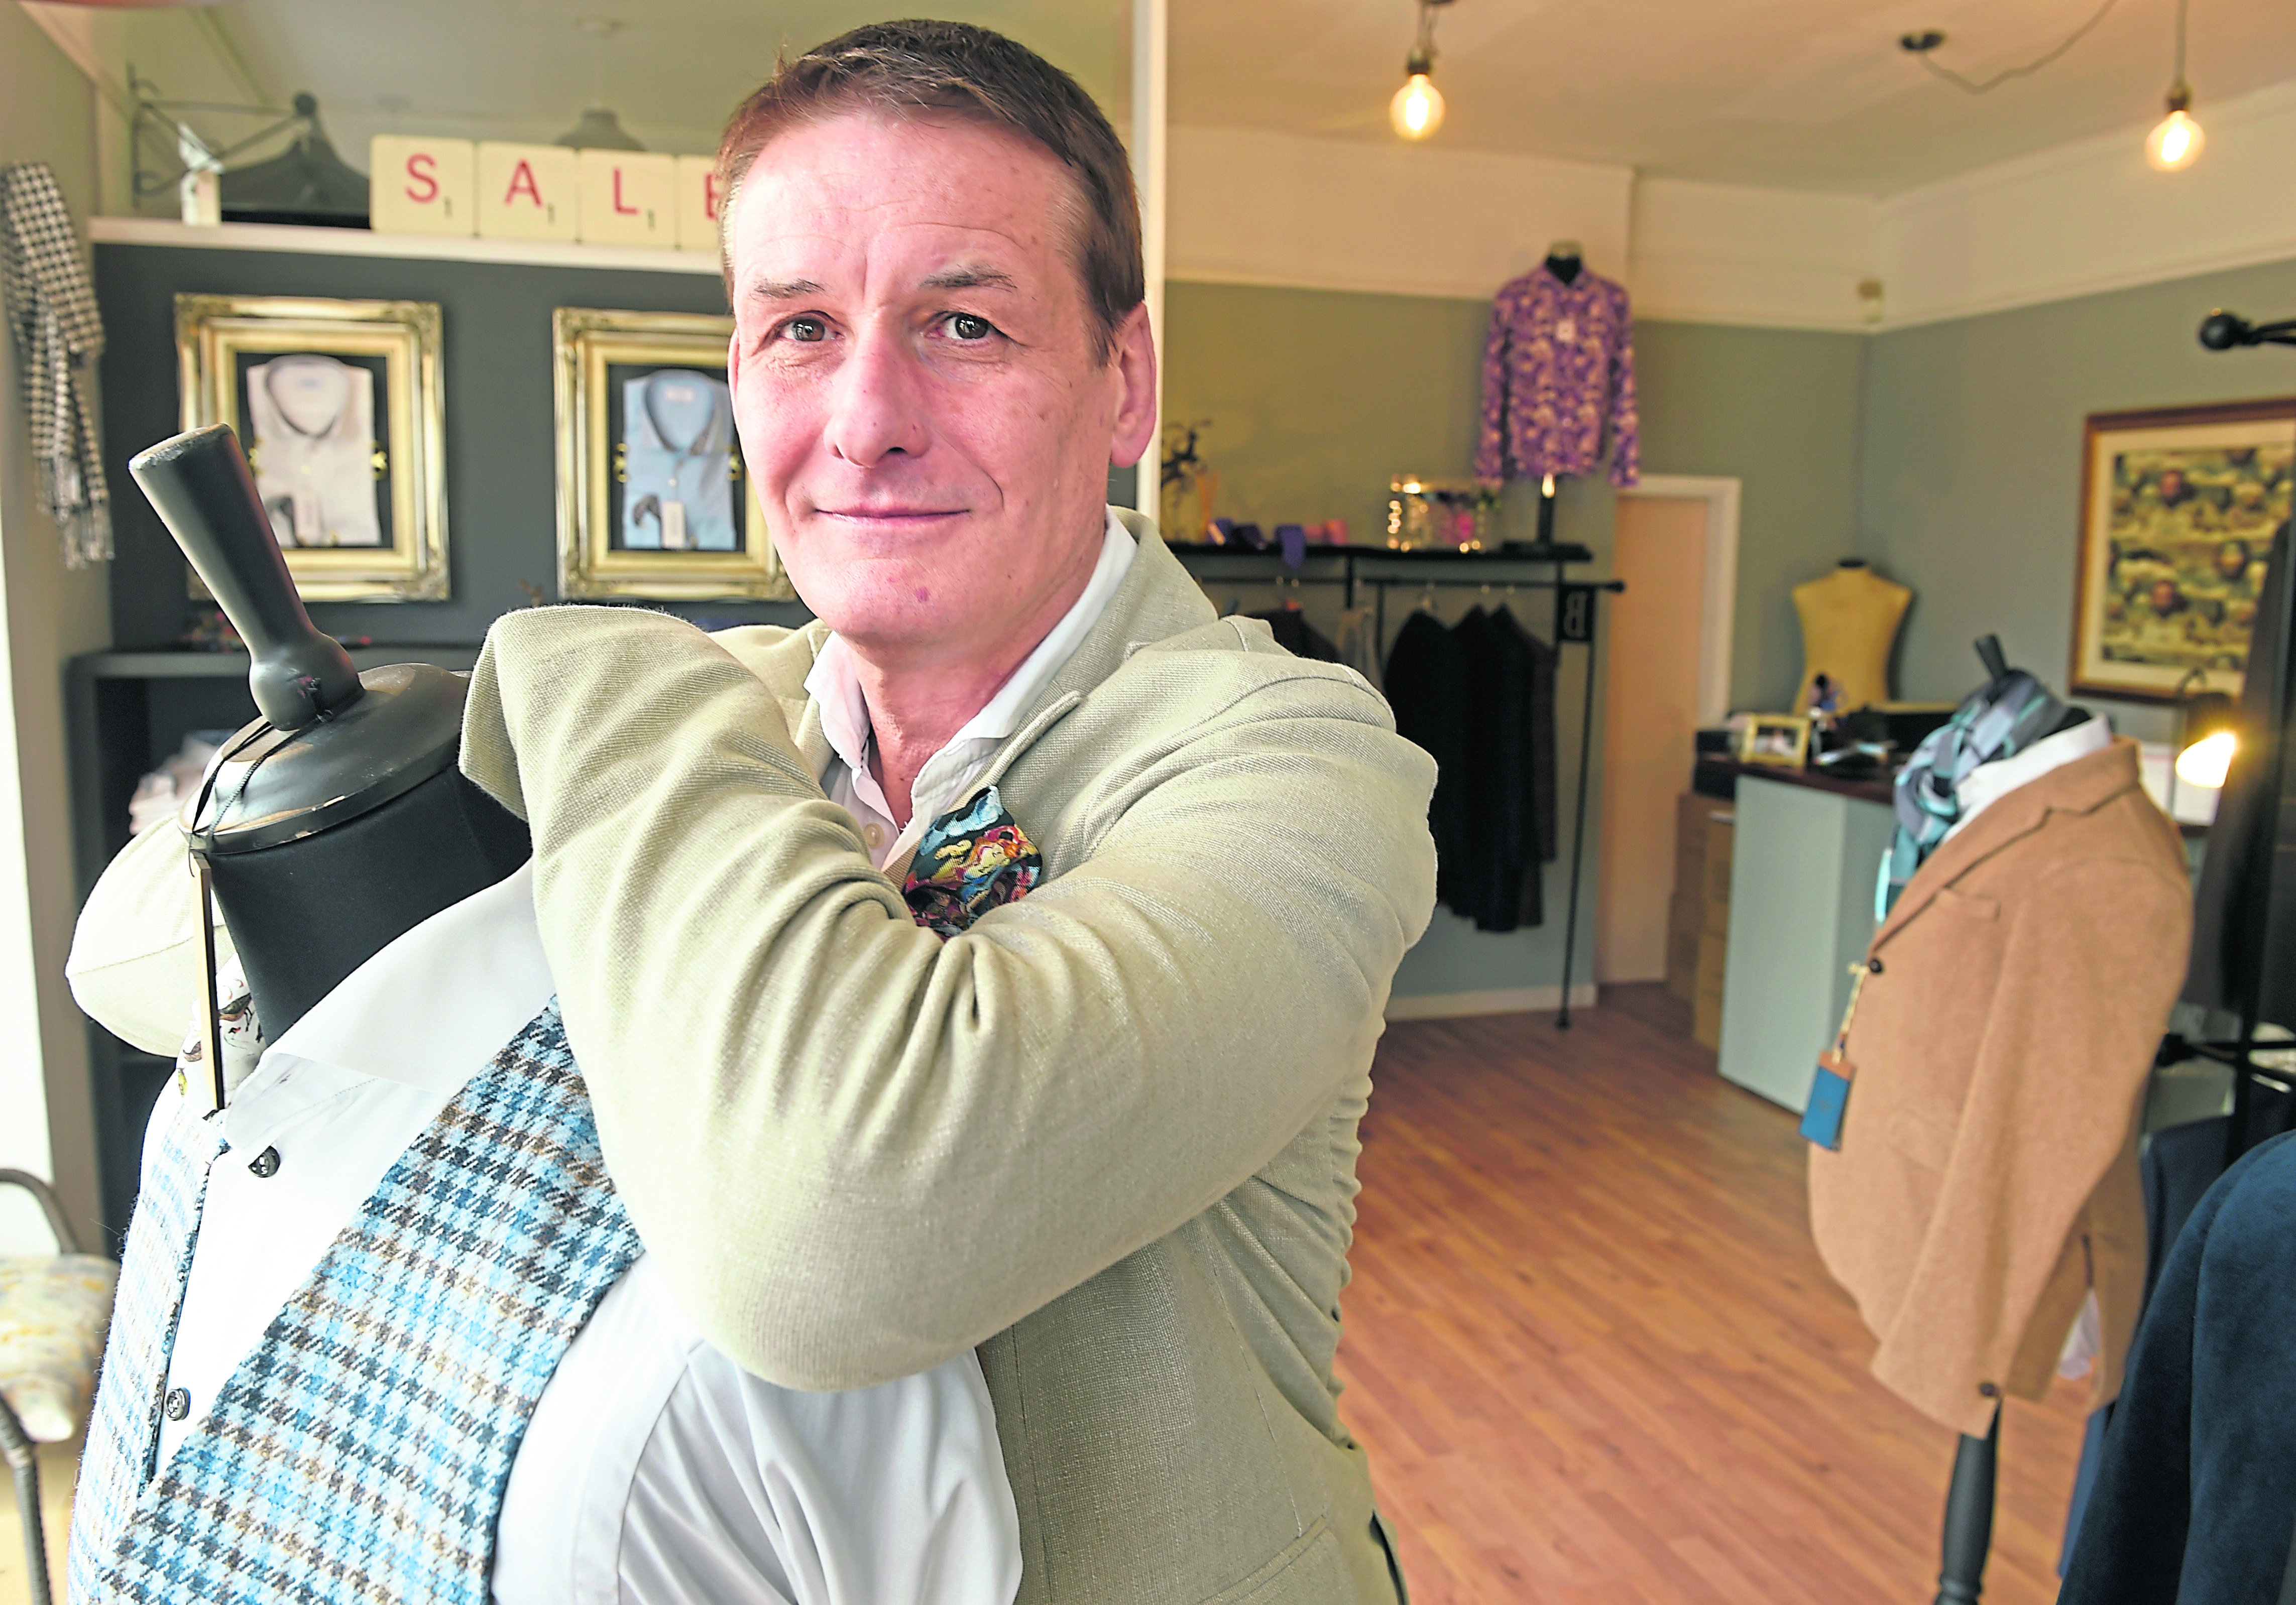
[1810, 94]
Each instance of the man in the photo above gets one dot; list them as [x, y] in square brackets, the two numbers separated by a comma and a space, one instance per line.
[1108, 1134]
[1105, 1133]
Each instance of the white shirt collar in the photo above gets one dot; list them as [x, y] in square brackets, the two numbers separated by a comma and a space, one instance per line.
[428, 1010]
[834, 685]
[1988, 783]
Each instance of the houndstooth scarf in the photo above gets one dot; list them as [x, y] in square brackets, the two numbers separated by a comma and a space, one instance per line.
[59, 335]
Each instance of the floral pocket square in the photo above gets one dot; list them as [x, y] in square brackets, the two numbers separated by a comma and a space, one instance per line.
[972, 859]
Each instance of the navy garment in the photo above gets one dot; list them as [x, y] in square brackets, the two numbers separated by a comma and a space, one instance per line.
[2179, 1166]
[2196, 1501]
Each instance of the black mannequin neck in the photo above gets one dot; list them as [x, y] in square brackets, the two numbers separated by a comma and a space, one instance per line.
[305, 914]
[1566, 269]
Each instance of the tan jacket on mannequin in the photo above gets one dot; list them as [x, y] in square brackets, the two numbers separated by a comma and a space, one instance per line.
[1987, 1176]
[1849, 621]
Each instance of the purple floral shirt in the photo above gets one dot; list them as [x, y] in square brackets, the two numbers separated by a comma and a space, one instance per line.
[1559, 364]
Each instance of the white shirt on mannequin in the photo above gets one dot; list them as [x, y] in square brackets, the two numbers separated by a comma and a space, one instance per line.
[653, 1471]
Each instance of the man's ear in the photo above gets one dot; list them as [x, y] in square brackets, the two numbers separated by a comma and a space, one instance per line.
[1132, 362]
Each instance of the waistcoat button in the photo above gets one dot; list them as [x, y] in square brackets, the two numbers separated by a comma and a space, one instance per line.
[265, 1164]
[1873, 966]
[179, 1404]
[1989, 1390]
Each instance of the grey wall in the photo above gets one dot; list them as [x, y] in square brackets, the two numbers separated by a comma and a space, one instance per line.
[1316, 398]
[1779, 410]
[47, 114]
[1970, 468]
[501, 451]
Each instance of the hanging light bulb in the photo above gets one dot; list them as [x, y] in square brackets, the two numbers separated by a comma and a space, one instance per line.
[2176, 140]
[1417, 109]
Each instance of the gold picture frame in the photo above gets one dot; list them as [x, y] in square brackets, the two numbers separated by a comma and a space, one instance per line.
[1778, 739]
[339, 407]
[641, 511]
[2179, 507]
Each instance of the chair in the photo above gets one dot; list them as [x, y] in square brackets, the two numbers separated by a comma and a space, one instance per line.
[54, 1312]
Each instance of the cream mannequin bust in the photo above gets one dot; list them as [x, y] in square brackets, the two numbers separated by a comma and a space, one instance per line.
[1849, 621]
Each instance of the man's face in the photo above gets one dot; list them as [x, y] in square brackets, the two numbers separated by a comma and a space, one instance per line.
[914, 381]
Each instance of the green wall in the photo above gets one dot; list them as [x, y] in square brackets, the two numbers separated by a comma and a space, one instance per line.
[1316, 398]
[1970, 470]
[1949, 455]
[1777, 409]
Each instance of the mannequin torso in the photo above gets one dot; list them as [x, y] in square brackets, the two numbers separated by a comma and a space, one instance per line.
[1849, 621]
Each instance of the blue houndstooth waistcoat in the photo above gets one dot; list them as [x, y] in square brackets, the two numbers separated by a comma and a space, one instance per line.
[360, 1451]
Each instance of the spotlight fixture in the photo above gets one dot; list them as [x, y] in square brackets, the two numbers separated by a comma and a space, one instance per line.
[2176, 140]
[2210, 735]
[1417, 109]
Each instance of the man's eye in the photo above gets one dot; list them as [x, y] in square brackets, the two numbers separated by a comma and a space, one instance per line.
[964, 326]
[806, 329]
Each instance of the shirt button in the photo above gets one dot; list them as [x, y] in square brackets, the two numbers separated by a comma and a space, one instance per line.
[874, 835]
[1989, 1390]
[179, 1404]
[265, 1164]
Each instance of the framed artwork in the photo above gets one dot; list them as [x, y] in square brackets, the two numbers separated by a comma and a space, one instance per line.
[1781, 739]
[2178, 510]
[654, 500]
[339, 408]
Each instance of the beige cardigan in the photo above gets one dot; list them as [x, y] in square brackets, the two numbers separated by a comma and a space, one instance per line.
[1987, 1177]
[1108, 1136]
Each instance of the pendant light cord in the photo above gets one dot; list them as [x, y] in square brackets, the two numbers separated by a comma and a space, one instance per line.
[2034, 66]
[2179, 84]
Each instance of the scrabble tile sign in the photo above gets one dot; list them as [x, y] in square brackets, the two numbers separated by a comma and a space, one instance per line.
[502, 191]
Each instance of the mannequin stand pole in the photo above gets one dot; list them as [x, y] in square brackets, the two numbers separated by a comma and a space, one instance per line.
[1968, 1517]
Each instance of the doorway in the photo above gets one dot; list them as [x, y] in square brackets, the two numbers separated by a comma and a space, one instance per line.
[1668, 674]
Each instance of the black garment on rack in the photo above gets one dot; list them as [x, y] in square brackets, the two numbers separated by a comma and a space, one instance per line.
[1480, 700]
[2197, 1498]
[1296, 636]
[2224, 904]
[1425, 674]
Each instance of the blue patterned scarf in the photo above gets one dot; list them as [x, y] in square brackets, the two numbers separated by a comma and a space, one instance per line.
[1999, 720]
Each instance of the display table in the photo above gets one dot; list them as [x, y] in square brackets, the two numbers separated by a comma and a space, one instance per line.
[1802, 869]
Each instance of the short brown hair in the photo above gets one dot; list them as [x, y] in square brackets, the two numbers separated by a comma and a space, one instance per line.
[906, 68]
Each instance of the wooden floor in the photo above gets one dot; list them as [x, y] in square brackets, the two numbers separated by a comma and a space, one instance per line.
[1593, 1353]
[1595, 1356]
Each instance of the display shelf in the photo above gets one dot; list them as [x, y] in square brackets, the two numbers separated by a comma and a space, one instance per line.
[309, 242]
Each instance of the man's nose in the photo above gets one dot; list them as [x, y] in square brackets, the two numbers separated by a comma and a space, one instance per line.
[877, 402]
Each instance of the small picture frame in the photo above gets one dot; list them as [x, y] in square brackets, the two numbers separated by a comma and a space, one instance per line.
[653, 498]
[2178, 509]
[1779, 738]
[339, 408]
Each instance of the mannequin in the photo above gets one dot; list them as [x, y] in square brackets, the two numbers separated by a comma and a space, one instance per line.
[395, 1204]
[1978, 1186]
[1566, 259]
[1849, 621]
[345, 823]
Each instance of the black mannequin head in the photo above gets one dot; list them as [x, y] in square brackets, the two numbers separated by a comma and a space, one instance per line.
[338, 821]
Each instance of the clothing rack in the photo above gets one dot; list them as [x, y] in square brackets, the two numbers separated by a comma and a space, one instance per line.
[1575, 617]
